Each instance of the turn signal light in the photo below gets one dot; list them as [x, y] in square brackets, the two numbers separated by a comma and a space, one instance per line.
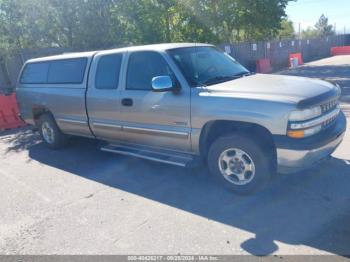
[296, 133]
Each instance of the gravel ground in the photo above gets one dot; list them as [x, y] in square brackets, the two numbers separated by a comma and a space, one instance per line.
[82, 201]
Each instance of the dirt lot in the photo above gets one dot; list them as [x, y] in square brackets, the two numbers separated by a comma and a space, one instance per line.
[83, 201]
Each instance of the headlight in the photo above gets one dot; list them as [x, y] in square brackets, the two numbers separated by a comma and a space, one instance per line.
[306, 114]
[310, 121]
[300, 127]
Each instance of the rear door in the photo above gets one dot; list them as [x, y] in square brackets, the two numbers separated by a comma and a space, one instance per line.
[160, 119]
[103, 96]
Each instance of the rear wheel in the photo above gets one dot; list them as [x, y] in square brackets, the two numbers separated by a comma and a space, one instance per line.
[50, 132]
[240, 163]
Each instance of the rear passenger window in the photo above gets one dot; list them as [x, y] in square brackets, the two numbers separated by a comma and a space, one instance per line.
[143, 66]
[108, 69]
[70, 71]
[35, 73]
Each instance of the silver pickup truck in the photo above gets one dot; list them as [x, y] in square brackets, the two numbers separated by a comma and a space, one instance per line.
[184, 104]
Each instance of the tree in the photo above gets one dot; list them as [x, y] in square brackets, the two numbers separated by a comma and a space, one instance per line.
[261, 20]
[95, 24]
[310, 32]
[11, 26]
[287, 30]
[323, 28]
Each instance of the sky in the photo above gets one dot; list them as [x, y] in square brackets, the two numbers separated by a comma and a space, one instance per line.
[307, 12]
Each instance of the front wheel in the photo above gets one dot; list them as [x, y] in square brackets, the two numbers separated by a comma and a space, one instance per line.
[240, 163]
[50, 132]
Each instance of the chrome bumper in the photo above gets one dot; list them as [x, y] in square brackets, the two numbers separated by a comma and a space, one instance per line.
[293, 160]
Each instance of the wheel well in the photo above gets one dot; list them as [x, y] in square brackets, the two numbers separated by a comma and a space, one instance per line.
[214, 129]
[37, 112]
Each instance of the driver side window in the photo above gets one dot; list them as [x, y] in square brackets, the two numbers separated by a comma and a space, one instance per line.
[142, 67]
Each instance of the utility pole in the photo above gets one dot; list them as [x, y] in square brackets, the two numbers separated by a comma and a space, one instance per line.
[299, 30]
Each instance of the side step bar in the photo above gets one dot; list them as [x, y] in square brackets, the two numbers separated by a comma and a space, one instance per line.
[163, 156]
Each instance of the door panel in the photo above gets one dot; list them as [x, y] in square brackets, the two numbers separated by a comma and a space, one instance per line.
[159, 119]
[103, 97]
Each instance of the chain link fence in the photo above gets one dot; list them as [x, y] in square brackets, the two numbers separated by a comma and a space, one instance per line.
[278, 51]
[246, 53]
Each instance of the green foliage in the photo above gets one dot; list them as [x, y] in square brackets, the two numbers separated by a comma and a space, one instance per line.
[310, 32]
[321, 29]
[287, 30]
[95, 24]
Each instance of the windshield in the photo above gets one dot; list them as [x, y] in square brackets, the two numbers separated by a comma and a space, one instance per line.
[203, 66]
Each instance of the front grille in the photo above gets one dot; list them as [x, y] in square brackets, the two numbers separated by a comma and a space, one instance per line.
[329, 122]
[329, 106]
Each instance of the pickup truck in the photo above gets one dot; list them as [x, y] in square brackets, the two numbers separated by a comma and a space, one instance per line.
[184, 104]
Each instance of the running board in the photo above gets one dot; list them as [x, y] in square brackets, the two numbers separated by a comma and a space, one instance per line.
[162, 156]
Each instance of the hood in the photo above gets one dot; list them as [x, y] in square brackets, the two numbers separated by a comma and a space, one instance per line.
[280, 88]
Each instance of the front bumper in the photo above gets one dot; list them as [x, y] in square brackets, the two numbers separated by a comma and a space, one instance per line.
[297, 154]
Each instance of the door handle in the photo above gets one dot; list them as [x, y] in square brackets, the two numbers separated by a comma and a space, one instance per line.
[127, 102]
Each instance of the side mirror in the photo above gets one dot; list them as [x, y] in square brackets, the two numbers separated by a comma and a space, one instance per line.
[163, 84]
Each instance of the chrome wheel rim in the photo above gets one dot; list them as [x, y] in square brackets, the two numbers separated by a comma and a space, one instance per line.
[236, 166]
[48, 132]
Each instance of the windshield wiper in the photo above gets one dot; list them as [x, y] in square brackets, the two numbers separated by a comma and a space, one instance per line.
[244, 73]
[219, 79]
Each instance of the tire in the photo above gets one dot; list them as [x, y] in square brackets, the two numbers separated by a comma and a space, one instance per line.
[50, 132]
[238, 154]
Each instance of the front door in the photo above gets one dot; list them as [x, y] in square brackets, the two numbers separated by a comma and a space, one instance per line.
[160, 119]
